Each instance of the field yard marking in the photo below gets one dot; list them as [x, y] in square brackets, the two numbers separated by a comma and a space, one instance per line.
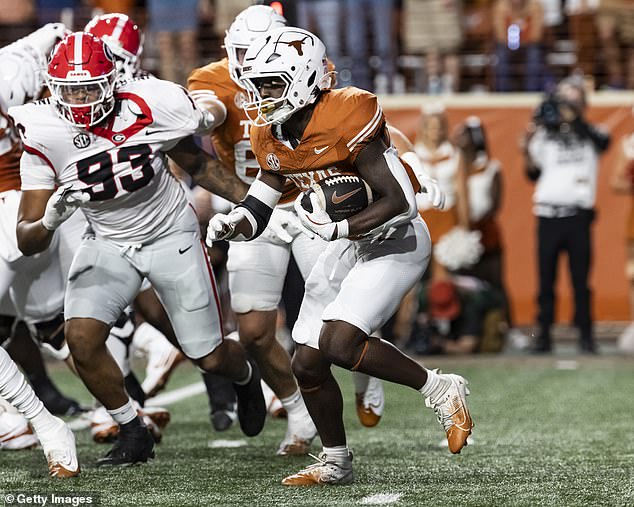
[566, 364]
[381, 499]
[226, 444]
[176, 395]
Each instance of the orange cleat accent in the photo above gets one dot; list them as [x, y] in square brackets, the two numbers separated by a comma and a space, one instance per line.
[366, 415]
[453, 413]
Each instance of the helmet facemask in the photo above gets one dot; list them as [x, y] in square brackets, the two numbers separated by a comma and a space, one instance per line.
[83, 102]
[268, 100]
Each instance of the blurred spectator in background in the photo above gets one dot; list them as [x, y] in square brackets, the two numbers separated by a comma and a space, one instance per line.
[122, 6]
[441, 161]
[623, 183]
[225, 11]
[379, 14]
[561, 153]
[484, 185]
[518, 28]
[322, 17]
[433, 28]
[615, 23]
[581, 27]
[175, 25]
[464, 316]
[50, 11]
[17, 19]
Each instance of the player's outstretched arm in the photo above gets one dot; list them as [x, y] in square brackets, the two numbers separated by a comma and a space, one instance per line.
[207, 172]
[379, 166]
[251, 216]
[33, 237]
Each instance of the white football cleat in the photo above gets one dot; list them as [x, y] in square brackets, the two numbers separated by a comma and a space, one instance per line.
[160, 365]
[300, 433]
[370, 404]
[274, 406]
[162, 357]
[59, 449]
[103, 428]
[452, 412]
[325, 472]
[15, 432]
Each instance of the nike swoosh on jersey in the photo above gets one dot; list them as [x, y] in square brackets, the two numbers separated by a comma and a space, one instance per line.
[183, 250]
[319, 151]
[337, 199]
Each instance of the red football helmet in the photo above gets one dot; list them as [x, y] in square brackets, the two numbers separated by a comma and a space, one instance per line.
[123, 37]
[81, 77]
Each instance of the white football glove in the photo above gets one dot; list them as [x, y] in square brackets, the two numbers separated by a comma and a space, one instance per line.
[61, 205]
[319, 221]
[277, 229]
[221, 226]
[434, 193]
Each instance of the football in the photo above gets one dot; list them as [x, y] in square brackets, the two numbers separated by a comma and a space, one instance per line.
[341, 196]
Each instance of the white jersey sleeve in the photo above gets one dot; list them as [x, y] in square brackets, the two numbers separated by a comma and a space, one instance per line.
[35, 173]
[174, 113]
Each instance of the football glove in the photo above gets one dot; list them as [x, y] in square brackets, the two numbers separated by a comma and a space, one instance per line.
[318, 221]
[61, 205]
[222, 226]
[434, 193]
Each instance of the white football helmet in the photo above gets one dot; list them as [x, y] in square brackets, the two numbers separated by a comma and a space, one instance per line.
[250, 24]
[291, 56]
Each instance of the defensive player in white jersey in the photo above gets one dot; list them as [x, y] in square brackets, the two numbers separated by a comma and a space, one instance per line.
[305, 132]
[30, 289]
[106, 150]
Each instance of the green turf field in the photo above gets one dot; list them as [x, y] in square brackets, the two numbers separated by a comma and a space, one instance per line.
[543, 436]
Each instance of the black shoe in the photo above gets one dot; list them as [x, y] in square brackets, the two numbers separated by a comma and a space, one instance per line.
[588, 347]
[222, 420]
[134, 445]
[251, 405]
[222, 401]
[542, 346]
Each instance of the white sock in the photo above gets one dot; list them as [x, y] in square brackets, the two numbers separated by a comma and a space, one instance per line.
[339, 453]
[435, 385]
[15, 389]
[294, 405]
[124, 414]
[43, 421]
[119, 352]
[361, 381]
[247, 378]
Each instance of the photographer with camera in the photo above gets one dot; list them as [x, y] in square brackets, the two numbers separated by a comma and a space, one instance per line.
[561, 152]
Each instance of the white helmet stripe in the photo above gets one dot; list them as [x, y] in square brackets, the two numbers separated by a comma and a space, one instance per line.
[116, 33]
[77, 56]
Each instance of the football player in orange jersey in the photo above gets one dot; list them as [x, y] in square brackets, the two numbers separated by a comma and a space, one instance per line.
[257, 269]
[305, 132]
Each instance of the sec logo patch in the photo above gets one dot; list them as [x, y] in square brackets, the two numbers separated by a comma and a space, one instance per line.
[273, 162]
[81, 140]
[239, 99]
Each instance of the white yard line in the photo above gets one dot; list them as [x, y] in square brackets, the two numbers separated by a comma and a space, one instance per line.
[381, 499]
[176, 395]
